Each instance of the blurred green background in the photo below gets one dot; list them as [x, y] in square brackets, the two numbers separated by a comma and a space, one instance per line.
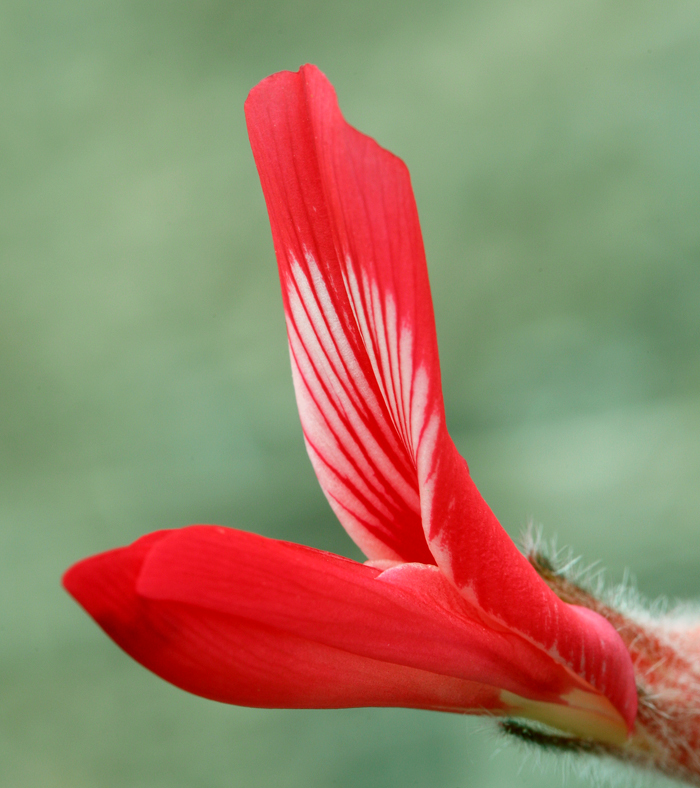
[145, 382]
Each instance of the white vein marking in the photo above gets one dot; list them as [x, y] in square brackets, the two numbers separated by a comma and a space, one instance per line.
[317, 340]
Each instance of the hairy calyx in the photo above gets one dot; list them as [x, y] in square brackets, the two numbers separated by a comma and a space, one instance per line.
[665, 651]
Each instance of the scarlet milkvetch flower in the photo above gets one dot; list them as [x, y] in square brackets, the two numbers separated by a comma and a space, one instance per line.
[446, 614]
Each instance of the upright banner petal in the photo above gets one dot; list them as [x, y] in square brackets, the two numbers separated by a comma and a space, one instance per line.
[358, 307]
[366, 374]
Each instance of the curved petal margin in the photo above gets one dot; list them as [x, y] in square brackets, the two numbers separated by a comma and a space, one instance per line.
[243, 619]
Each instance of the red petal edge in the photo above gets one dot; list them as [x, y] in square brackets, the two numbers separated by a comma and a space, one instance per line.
[243, 619]
[240, 660]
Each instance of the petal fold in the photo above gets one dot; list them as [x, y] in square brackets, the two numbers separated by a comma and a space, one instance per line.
[409, 615]
[238, 659]
[477, 555]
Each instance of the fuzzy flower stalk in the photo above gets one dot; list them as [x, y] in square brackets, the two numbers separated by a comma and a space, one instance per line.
[446, 613]
[665, 650]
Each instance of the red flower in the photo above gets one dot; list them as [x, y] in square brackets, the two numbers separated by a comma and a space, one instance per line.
[446, 614]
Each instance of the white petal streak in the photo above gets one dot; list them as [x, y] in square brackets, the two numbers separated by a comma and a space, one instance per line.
[425, 427]
[387, 341]
[344, 421]
[331, 363]
[418, 409]
[361, 526]
[341, 438]
[313, 300]
[408, 380]
[388, 346]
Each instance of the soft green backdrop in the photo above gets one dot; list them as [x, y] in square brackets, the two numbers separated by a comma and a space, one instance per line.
[555, 154]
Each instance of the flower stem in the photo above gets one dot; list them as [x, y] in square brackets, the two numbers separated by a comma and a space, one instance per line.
[666, 656]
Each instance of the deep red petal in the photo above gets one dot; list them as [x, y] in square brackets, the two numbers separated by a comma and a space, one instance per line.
[235, 659]
[479, 557]
[408, 616]
[358, 306]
